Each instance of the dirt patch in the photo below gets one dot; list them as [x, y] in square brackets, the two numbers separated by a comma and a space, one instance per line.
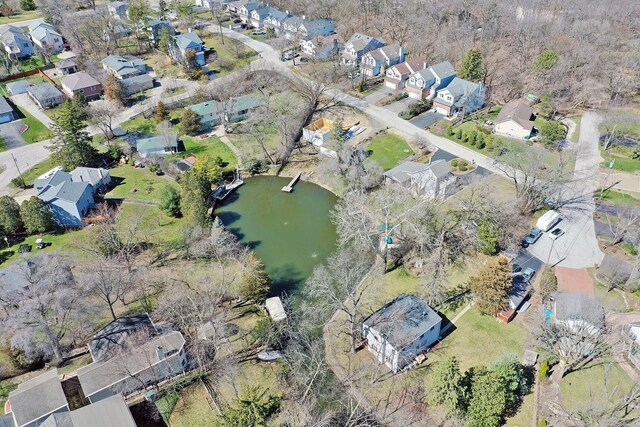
[574, 280]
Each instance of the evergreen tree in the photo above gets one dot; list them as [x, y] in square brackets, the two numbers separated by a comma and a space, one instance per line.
[170, 201]
[190, 122]
[546, 60]
[36, 215]
[546, 106]
[71, 145]
[114, 89]
[480, 140]
[195, 190]
[488, 397]
[165, 41]
[513, 377]
[72, 115]
[491, 286]
[253, 408]
[459, 134]
[10, 221]
[488, 236]
[162, 9]
[161, 112]
[446, 386]
[472, 68]
[552, 132]
[27, 5]
[255, 281]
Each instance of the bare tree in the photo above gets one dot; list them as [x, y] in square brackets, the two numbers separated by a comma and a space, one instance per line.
[104, 116]
[109, 281]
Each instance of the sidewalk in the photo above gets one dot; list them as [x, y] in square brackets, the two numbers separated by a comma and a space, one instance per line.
[623, 181]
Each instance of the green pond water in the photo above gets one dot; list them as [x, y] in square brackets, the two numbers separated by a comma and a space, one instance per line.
[290, 232]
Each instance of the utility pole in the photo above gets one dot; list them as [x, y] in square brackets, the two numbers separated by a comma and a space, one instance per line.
[15, 162]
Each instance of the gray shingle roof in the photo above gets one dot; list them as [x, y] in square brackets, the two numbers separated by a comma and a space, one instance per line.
[575, 306]
[401, 173]
[53, 177]
[40, 32]
[184, 40]
[91, 175]
[403, 320]
[79, 80]
[44, 91]
[158, 142]
[66, 63]
[113, 337]
[4, 106]
[67, 190]
[518, 111]
[443, 70]
[122, 65]
[37, 397]
[109, 412]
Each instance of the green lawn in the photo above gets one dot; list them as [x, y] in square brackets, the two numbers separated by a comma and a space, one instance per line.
[31, 174]
[192, 408]
[24, 15]
[617, 198]
[37, 130]
[593, 385]
[137, 183]
[620, 163]
[575, 138]
[387, 150]
[211, 147]
[227, 55]
[479, 340]
[140, 125]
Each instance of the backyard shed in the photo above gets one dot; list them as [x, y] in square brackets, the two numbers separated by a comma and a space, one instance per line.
[275, 309]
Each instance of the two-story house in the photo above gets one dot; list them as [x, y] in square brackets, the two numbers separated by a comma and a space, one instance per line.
[276, 20]
[185, 42]
[397, 75]
[459, 96]
[153, 27]
[427, 82]
[427, 180]
[81, 84]
[46, 37]
[258, 16]
[16, 43]
[124, 67]
[244, 11]
[357, 46]
[377, 61]
[323, 47]
[401, 330]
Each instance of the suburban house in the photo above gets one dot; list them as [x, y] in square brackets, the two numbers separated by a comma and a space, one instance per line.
[397, 75]
[7, 114]
[137, 84]
[377, 61]
[258, 16]
[159, 144]
[234, 110]
[109, 412]
[46, 37]
[35, 400]
[577, 312]
[357, 46]
[401, 330]
[426, 82]
[81, 84]
[108, 341]
[459, 96]
[16, 43]
[276, 19]
[429, 180]
[305, 28]
[323, 47]
[186, 41]
[244, 11]
[45, 95]
[233, 7]
[122, 67]
[515, 120]
[153, 26]
[134, 367]
[208, 4]
[18, 87]
[118, 9]
[632, 332]
[66, 66]
[70, 195]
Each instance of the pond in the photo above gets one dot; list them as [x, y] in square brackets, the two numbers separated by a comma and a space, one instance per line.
[290, 232]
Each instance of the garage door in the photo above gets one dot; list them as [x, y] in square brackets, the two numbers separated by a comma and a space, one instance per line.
[442, 111]
[414, 95]
[391, 85]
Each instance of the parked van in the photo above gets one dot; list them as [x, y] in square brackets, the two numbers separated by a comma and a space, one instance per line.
[548, 220]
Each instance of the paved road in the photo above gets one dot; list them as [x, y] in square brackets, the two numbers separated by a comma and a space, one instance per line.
[23, 100]
[426, 119]
[578, 247]
[26, 156]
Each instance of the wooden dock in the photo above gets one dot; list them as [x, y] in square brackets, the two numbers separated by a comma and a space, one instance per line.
[289, 187]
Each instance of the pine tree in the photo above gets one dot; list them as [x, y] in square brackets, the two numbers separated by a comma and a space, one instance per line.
[472, 67]
[446, 386]
[71, 145]
[252, 408]
[36, 215]
[255, 281]
[170, 201]
[161, 112]
[491, 286]
[10, 221]
[28, 5]
[114, 89]
[190, 122]
[195, 190]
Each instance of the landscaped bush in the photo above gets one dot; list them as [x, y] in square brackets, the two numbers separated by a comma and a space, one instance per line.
[415, 109]
[464, 163]
[472, 137]
[454, 163]
[544, 369]
[458, 133]
[462, 168]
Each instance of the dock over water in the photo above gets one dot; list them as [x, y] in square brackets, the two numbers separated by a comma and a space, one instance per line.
[289, 187]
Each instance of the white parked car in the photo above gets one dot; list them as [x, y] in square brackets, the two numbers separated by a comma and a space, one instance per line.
[557, 232]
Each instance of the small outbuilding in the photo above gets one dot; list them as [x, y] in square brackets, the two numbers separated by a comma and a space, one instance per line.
[275, 308]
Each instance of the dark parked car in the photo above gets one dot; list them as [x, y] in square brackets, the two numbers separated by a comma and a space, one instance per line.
[533, 237]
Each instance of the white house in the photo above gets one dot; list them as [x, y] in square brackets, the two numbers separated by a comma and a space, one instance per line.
[401, 330]
[429, 180]
[459, 96]
[515, 120]
[322, 47]
[46, 37]
[377, 61]
[15, 42]
[357, 46]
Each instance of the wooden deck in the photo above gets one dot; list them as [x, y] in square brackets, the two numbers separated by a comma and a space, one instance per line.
[289, 187]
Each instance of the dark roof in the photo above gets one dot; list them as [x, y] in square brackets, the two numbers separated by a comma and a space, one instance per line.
[518, 111]
[520, 290]
[4, 106]
[110, 338]
[403, 320]
[67, 190]
[66, 63]
[79, 80]
[443, 70]
[37, 397]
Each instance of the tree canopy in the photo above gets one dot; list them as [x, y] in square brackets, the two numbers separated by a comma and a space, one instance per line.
[71, 145]
[36, 215]
[491, 286]
[472, 66]
[10, 220]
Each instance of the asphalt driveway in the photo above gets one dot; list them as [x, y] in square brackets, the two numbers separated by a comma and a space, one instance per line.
[427, 119]
[10, 133]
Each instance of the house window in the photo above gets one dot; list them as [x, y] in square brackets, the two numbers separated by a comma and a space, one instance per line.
[56, 40]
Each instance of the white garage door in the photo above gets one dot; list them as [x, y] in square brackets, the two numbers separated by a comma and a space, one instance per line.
[414, 95]
[442, 111]
[391, 85]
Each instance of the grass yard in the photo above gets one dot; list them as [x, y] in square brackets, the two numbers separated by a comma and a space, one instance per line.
[620, 163]
[38, 169]
[617, 198]
[473, 331]
[139, 125]
[525, 413]
[575, 138]
[227, 59]
[37, 130]
[387, 150]
[211, 147]
[598, 385]
[24, 15]
[192, 408]
[137, 183]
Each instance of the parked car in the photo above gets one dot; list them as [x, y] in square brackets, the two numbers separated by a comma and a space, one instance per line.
[515, 269]
[258, 33]
[557, 232]
[533, 237]
[527, 274]
[290, 54]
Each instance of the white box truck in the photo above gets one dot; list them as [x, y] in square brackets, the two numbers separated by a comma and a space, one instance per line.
[548, 220]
